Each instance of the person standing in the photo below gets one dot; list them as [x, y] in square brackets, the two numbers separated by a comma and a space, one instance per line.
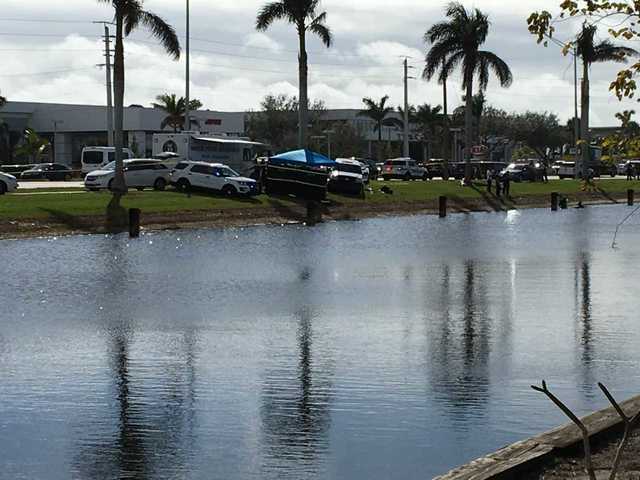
[506, 187]
[489, 179]
[629, 171]
[498, 185]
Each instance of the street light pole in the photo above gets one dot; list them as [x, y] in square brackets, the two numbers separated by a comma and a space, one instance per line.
[187, 114]
[406, 109]
[576, 129]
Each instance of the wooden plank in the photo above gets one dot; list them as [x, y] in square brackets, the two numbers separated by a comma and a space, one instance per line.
[505, 462]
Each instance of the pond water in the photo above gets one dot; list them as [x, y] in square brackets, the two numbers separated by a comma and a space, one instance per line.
[386, 348]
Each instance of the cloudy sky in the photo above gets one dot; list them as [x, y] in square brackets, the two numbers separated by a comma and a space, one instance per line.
[49, 49]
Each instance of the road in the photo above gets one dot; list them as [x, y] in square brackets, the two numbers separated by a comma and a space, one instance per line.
[37, 185]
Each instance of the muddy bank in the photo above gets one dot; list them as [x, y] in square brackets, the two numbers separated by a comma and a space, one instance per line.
[276, 215]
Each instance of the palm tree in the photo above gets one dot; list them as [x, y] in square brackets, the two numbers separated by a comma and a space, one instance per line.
[378, 112]
[630, 128]
[129, 15]
[302, 14]
[429, 119]
[591, 52]
[441, 71]
[33, 145]
[175, 110]
[457, 42]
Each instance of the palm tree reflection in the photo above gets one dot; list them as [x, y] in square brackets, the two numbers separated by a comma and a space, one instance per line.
[295, 408]
[584, 318]
[150, 428]
[460, 351]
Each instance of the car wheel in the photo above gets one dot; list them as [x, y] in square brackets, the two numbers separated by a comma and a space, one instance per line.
[425, 177]
[229, 191]
[407, 177]
[613, 173]
[183, 185]
[160, 184]
[385, 178]
[3, 188]
[140, 189]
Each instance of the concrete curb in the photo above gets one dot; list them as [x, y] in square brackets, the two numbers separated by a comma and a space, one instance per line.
[513, 459]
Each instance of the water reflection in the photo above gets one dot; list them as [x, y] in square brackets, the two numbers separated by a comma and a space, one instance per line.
[460, 349]
[397, 349]
[295, 408]
[150, 427]
[584, 328]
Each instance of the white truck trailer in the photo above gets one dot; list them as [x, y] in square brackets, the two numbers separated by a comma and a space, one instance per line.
[237, 152]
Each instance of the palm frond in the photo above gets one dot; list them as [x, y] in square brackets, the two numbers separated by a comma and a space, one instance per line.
[490, 61]
[163, 32]
[319, 27]
[269, 13]
[608, 52]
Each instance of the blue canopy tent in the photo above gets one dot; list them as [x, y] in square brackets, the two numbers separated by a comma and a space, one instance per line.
[300, 172]
[303, 157]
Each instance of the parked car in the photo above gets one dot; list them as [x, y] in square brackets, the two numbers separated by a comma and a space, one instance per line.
[347, 177]
[47, 171]
[94, 158]
[8, 183]
[436, 169]
[567, 169]
[15, 170]
[479, 169]
[374, 168]
[364, 168]
[621, 168]
[521, 172]
[211, 176]
[138, 173]
[404, 169]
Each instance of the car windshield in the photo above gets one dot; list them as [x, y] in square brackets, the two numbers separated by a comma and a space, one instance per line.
[109, 166]
[348, 167]
[227, 172]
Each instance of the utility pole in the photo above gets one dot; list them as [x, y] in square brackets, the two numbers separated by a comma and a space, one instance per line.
[576, 129]
[187, 113]
[405, 150]
[328, 133]
[107, 65]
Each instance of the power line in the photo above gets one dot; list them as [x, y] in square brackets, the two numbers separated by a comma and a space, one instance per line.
[31, 20]
[52, 72]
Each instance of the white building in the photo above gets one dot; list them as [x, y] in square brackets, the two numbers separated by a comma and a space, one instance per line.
[72, 127]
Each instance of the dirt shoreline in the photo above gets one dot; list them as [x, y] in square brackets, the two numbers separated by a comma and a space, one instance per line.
[238, 217]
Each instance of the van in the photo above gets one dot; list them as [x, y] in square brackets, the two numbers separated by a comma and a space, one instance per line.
[95, 157]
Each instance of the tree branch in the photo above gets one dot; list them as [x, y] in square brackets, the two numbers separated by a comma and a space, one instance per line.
[585, 433]
[629, 424]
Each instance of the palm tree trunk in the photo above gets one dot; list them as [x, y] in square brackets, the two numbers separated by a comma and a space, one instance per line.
[445, 144]
[468, 131]
[116, 216]
[379, 146]
[584, 122]
[304, 99]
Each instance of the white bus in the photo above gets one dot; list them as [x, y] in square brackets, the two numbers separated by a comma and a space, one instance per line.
[238, 153]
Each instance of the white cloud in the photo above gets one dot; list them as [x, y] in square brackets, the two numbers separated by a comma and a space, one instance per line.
[262, 41]
[236, 66]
